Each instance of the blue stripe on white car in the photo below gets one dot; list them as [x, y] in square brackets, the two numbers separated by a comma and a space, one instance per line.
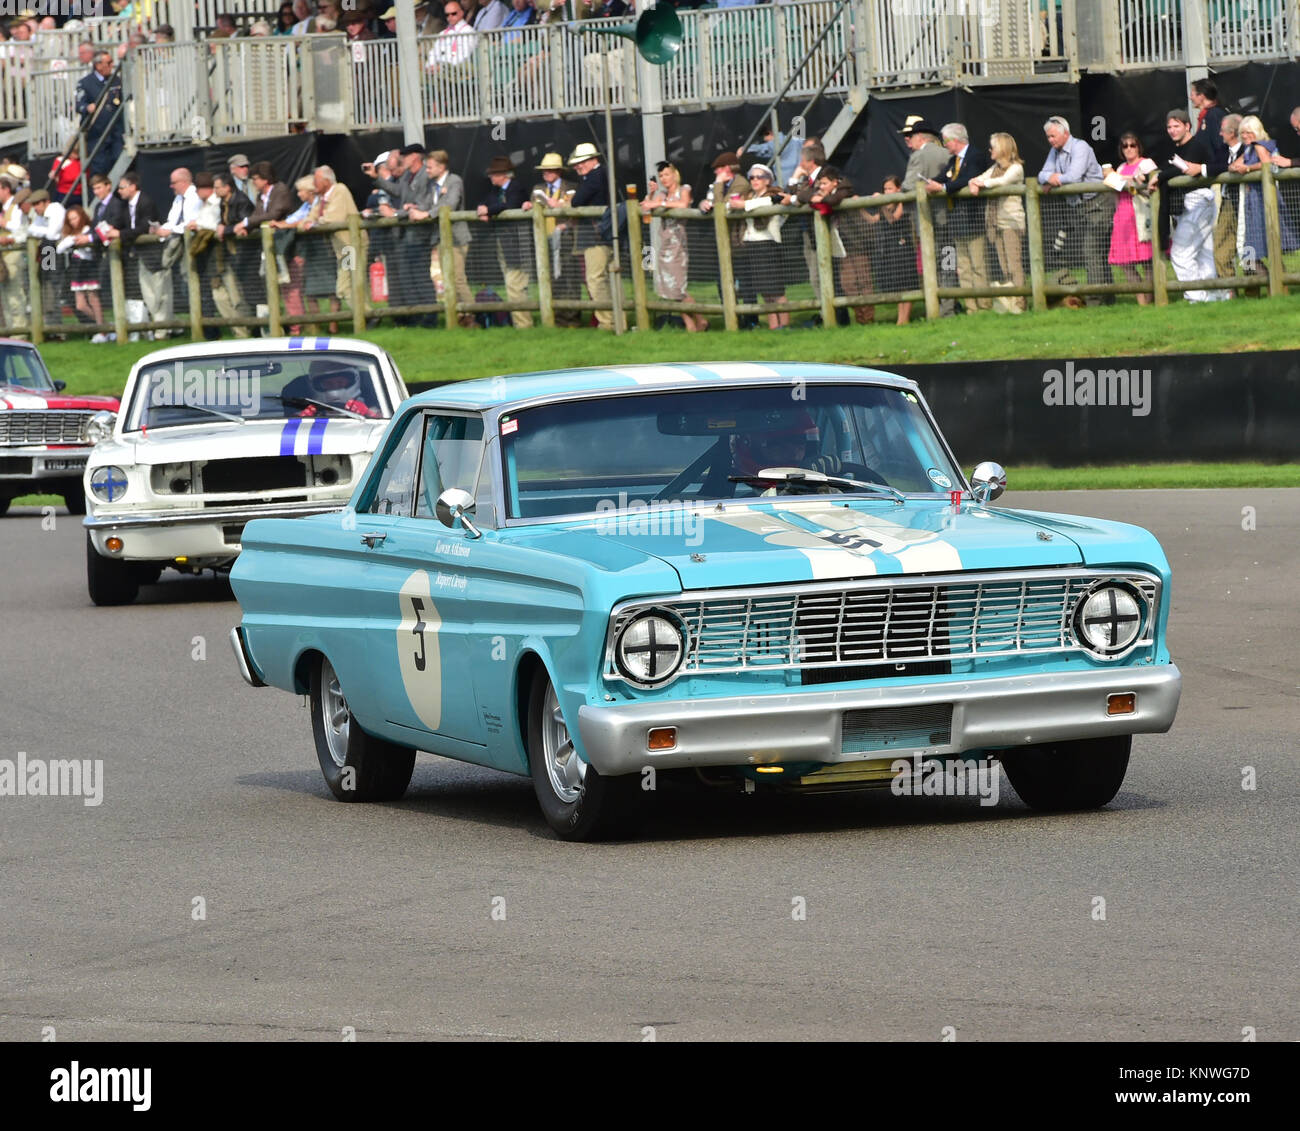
[288, 435]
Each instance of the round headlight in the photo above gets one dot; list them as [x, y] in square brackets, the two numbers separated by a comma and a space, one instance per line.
[1109, 618]
[98, 427]
[650, 648]
[108, 484]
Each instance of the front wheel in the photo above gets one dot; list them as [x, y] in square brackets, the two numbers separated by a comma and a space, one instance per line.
[1069, 775]
[576, 801]
[357, 766]
[74, 498]
[109, 582]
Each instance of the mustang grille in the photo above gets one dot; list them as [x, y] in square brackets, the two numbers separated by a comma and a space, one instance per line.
[264, 473]
[44, 426]
[822, 625]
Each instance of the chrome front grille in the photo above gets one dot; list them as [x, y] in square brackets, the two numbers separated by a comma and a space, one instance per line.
[883, 621]
[42, 426]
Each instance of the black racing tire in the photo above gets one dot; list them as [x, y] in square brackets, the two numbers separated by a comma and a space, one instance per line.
[5, 500]
[146, 573]
[74, 498]
[1069, 775]
[603, 806]
[357, 766]
[109, 582]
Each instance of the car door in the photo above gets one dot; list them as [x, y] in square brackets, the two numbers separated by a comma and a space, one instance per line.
[419, 574]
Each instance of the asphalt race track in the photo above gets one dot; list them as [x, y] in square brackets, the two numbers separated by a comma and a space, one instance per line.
[921, 913]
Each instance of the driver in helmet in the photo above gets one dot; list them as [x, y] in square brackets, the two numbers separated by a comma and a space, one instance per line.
[337, 386]
[791, 440]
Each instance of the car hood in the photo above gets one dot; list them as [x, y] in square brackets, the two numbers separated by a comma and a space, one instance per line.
[320, 435]
[15, 397]
[810, 539]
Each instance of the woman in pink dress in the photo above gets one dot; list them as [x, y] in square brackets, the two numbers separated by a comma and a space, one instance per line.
[1130, 246]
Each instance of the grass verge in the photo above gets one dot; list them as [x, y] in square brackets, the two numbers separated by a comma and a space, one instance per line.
[1122, 330]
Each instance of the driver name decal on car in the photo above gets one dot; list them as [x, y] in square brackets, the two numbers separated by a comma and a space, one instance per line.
[418, 656]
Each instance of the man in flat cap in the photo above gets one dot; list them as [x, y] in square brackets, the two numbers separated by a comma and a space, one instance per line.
[513, 245]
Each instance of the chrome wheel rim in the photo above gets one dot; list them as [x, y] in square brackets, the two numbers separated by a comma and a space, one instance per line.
[335, 716]
[564, 768]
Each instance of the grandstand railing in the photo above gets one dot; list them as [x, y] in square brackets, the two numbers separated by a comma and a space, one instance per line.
[233, 89]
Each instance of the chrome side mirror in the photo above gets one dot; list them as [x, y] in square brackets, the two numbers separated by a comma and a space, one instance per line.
[99, 427]
[988, 481]
[455, 504]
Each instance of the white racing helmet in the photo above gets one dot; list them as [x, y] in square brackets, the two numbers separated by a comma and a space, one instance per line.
[335, 386]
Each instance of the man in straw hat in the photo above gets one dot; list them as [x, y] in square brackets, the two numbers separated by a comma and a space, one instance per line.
[511, 237]
[597, 252]
[553, 191]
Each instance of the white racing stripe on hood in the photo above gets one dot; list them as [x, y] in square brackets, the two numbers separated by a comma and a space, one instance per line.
[25, 400]
[654, 374]
[840, 542]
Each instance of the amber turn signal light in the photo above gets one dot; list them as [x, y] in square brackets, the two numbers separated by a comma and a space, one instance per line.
[113, 545]
[1124, 704]
[661, 738]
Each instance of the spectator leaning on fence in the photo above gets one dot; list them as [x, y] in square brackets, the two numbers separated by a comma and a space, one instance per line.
[966, 219]
[447, 190]
[850, 239]
[1131, 233]
[1191, 246]
[894, 261]
[812, 157]
[511, 237]
[597, 251]
[553, 191]
[107, 214]
[1071, 161]
[78, 243]
[672, 263]
[228, 256]
[13, 257]
[1225, 220]
[1286, 162]
[149, 286]
[759, 266]
[410, 283]
[334, 204]
[1252, 243]
[1004, 218]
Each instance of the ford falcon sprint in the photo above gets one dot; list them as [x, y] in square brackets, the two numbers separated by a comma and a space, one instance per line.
[43, 447]
[214, 434]
[757, 576]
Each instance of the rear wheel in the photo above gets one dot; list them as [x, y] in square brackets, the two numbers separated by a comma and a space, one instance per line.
[109, 582]
[1069, 775]
[576, 801]
[357, 766]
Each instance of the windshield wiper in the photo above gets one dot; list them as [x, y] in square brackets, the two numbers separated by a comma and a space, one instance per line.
[318, 404]
[802, 479]
[205, 408]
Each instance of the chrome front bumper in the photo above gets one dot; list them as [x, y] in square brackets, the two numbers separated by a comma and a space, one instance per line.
[987, 714]
[145, 520]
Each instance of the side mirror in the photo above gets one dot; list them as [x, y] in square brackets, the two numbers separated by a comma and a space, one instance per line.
[988, 481]
[59, 386]
[455, 504]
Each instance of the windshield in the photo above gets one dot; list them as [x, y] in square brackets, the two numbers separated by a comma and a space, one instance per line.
[580, 457]
[253, 386]
[21, 367]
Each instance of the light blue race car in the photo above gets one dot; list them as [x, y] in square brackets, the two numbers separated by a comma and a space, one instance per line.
[754, 576]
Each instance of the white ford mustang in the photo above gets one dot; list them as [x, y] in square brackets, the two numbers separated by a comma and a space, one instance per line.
[212, 435]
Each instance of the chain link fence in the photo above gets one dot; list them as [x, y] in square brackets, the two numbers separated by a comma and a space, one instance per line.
[737, 262]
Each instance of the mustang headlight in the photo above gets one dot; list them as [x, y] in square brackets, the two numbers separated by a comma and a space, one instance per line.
[1109, 618]
[650, 648]
[108, 484]
[98, 427]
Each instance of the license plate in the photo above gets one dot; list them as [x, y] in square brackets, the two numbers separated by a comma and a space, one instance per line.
[65, 465]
